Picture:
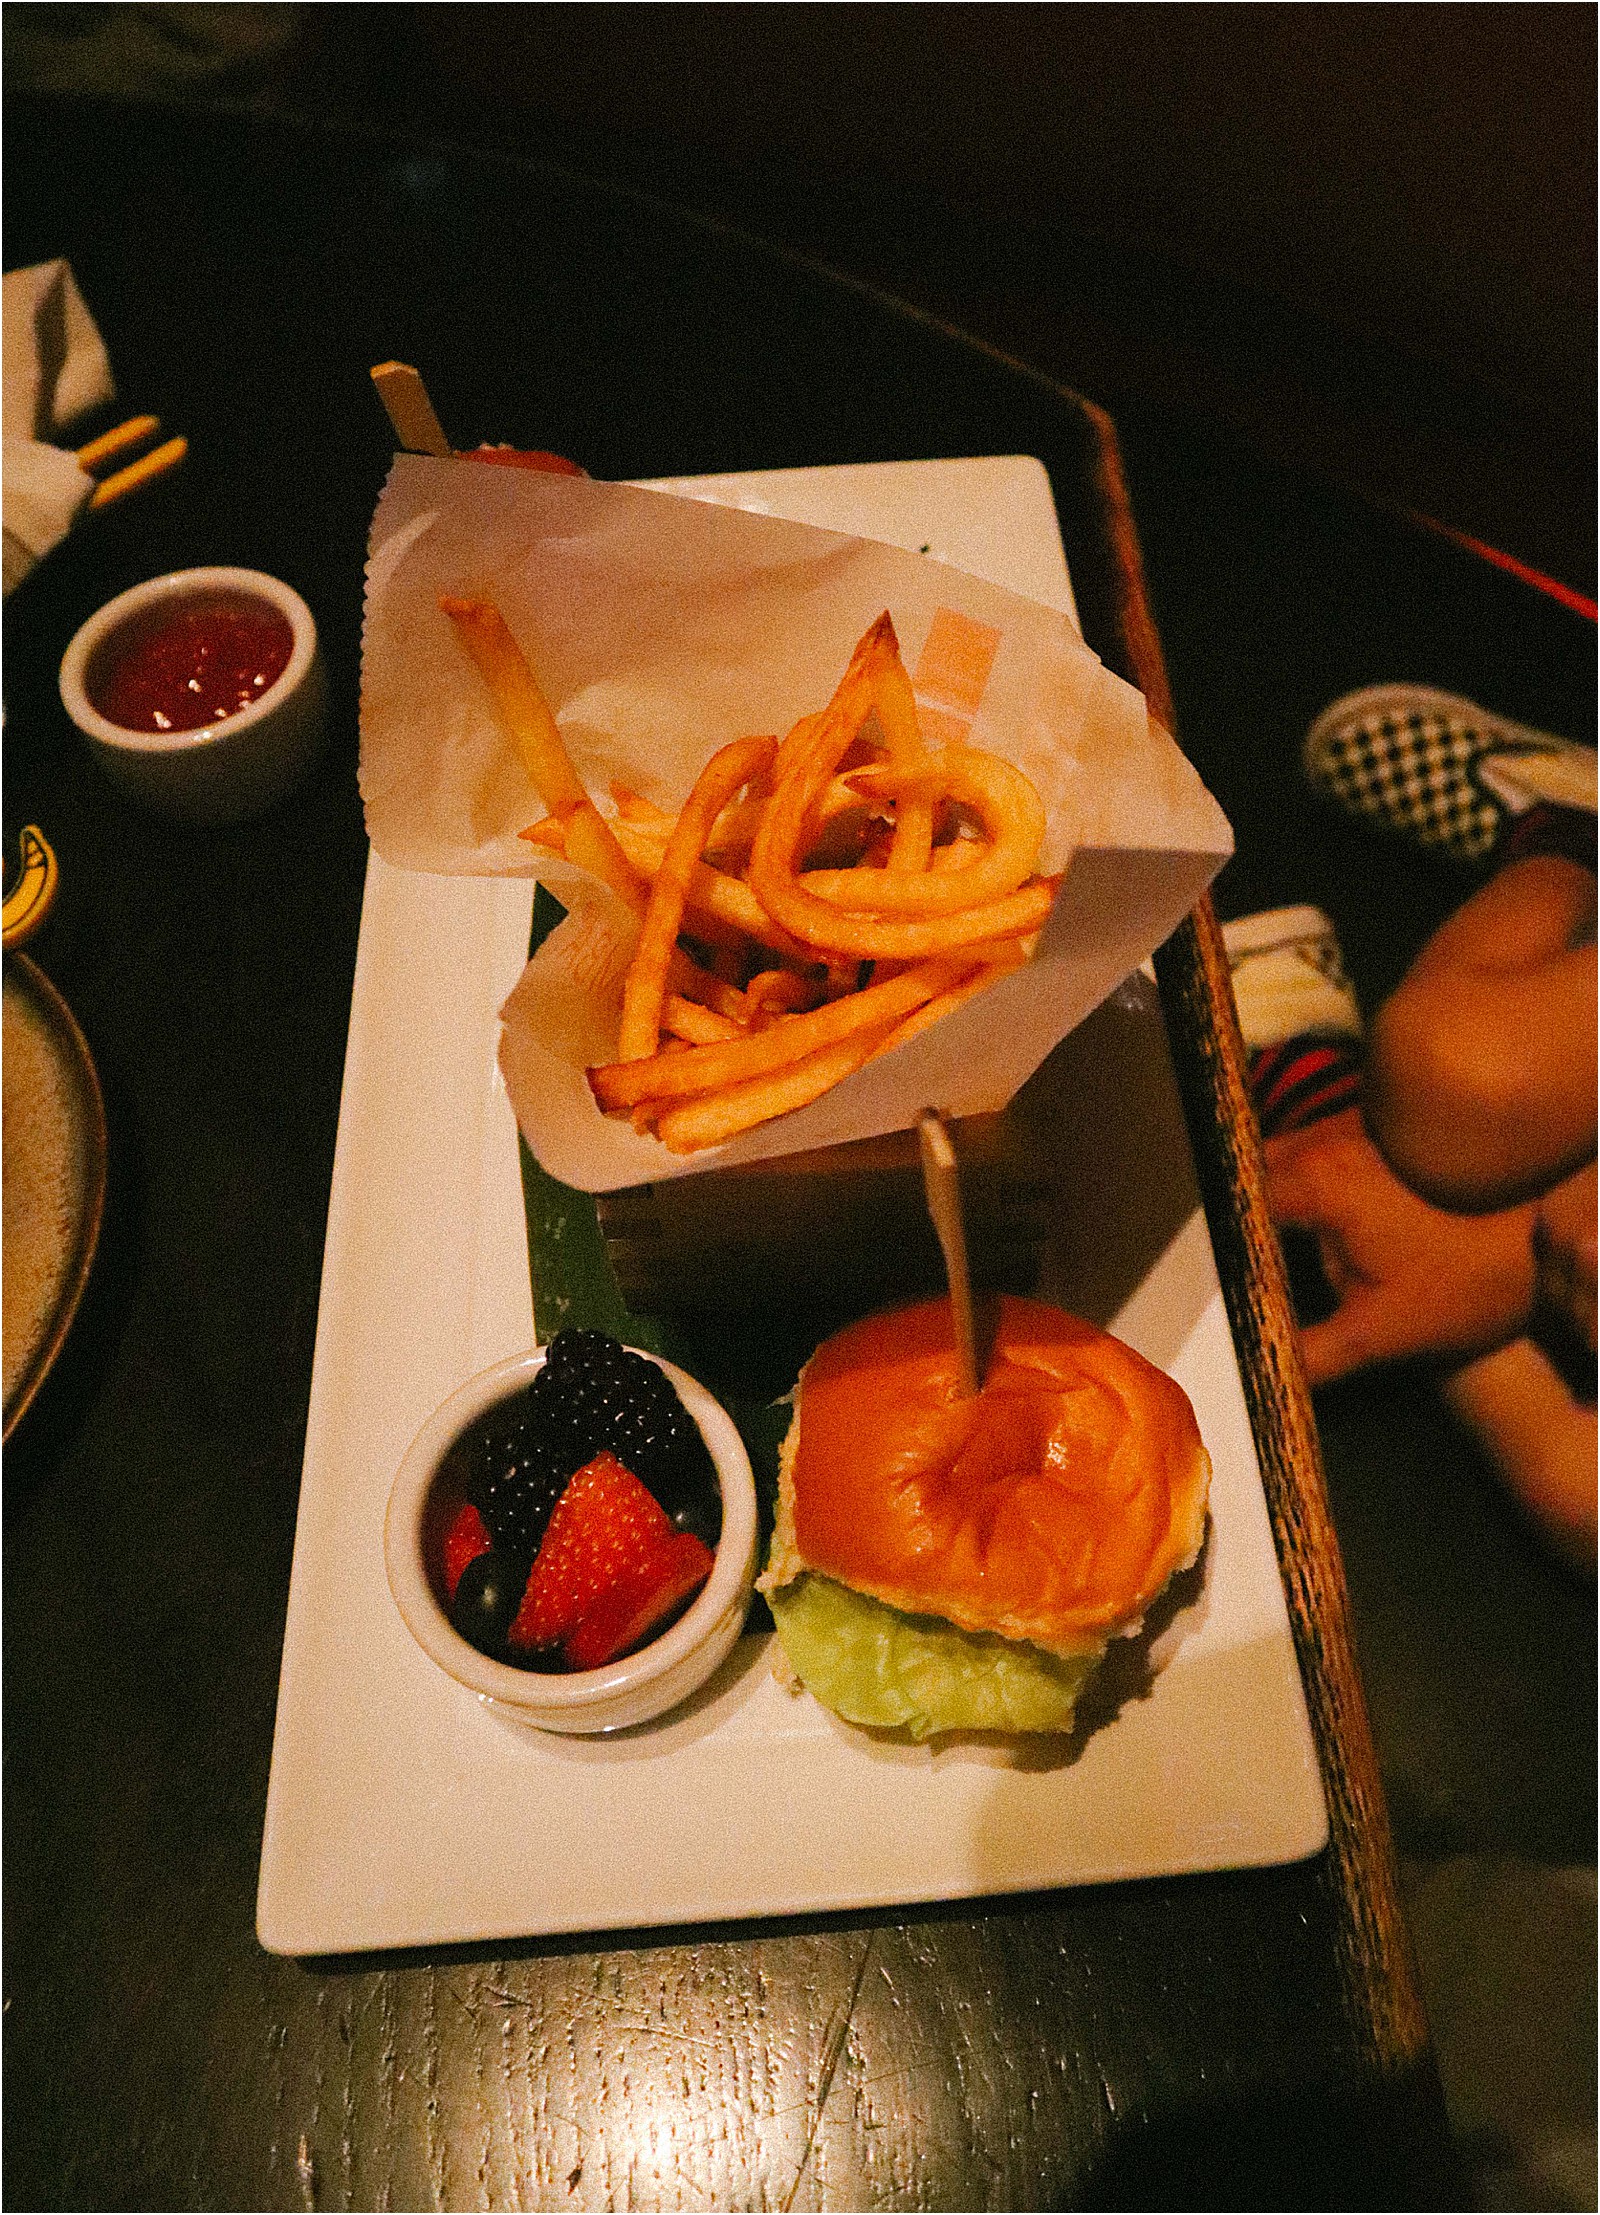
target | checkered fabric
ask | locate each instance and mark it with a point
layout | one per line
(1414, 768)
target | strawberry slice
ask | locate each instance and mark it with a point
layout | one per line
(606, 1528)
(634, 1607)
(464, 1541)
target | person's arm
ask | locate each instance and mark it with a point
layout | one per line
(1541, 1437)
(1481, 1067)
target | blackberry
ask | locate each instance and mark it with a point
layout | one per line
(517, 1459)
(601, 1395)
(513, 1471)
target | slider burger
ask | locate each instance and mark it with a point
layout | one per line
(948, 1563)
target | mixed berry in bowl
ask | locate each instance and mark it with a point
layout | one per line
(572, 1535)
(589, 1511)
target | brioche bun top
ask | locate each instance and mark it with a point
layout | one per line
(1053, 1508)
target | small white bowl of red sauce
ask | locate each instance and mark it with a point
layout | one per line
(201, 692)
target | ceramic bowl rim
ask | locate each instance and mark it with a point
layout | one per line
(175, 585)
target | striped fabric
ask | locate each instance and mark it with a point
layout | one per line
(1302, 1080)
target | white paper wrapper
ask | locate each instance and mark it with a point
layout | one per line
(662, 627)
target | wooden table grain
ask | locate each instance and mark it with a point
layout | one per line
(1239, 2039)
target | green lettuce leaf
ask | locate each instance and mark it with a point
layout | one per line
(919, 1673)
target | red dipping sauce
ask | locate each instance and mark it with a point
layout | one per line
(193, 664)
(527, 457)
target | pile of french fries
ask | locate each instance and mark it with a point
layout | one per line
(816, 900)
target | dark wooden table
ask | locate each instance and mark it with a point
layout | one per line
(1244, 2039)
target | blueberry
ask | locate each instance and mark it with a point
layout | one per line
(486, 1602)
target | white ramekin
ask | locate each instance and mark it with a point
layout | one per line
(643, 1684)
(227, 771)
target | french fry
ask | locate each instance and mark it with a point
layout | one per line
(686, 977)
(724, 914)
(591, 843)
(934, 1010)
(959, 853)
(913, 835)
(522, 708)
(897, 719)
(893, 698)
(1013, 819)
(803, 768)
(642, 827)
(869, 955)
(633, 807)
(795, 744)
(684, 974)
(525, 714)
(723, 1115)
(842, 718)
(729, 770)
(773, 992)
(695, 1025)
(622, 1084)
(871, 937)
(713, 897)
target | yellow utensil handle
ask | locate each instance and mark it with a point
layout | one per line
(30, 899)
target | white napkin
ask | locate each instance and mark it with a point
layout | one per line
(56, 369)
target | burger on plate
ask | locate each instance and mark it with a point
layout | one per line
(942, 1562)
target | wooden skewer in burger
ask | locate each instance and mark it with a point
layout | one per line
(949, 1558)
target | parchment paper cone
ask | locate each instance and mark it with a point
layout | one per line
(660, 628)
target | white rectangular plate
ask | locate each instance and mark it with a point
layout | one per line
(400, 1812)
